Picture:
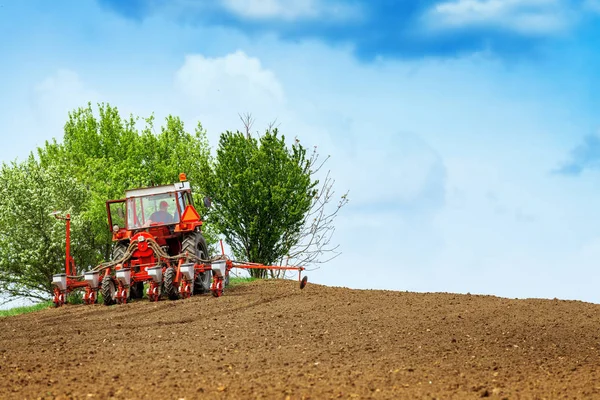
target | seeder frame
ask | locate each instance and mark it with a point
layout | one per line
(154, 273)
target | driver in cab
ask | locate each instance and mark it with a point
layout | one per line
(161, 216)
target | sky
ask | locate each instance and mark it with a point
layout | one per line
(465, 131)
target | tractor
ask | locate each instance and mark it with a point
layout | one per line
(150, 227)
(157, 240)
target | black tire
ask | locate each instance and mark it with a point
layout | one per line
(118, 251)
(194, 243)
(108, 290)
(168, 284)
(136, 291)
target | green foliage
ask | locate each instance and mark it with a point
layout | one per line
(235, 281)
(261, 192)
(110, 154)
(26, 309)
(32, 242)
(75, 297)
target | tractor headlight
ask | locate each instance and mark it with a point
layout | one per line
(115, 228)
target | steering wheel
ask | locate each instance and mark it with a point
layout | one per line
(147, 225)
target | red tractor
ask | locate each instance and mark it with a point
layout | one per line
(157, 239)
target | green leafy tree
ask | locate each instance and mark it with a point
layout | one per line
(264, 194)
(110, 154)
(32, 242)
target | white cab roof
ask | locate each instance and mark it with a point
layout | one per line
(148, 191)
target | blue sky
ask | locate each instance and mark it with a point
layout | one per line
(466, 131)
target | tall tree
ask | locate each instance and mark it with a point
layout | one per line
(32, 242)
(263, 194)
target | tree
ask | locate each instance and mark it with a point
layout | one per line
(264, 197)
(32, 242)
(109, 155)
(314, 241)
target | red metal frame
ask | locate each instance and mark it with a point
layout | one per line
(72, 283)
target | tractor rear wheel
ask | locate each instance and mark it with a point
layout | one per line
(108, 290)
(194, 243)
(169, 286)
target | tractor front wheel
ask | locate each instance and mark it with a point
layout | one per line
(108, 290)
(170, 288)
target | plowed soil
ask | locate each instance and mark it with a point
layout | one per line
(270, 339)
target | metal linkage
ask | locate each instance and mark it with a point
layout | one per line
(187, 267)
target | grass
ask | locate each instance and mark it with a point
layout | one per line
(234, 281)
(26, 309)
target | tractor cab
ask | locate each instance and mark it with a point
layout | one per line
(156, 206)
(162, 210)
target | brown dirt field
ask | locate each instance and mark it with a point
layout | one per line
(271, 340)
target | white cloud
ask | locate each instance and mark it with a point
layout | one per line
(38, 112)
(400, 170)
(234, 76)
(289, 10)
(57, 95)
(216, 90)
(529, 17)
(592, 5)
